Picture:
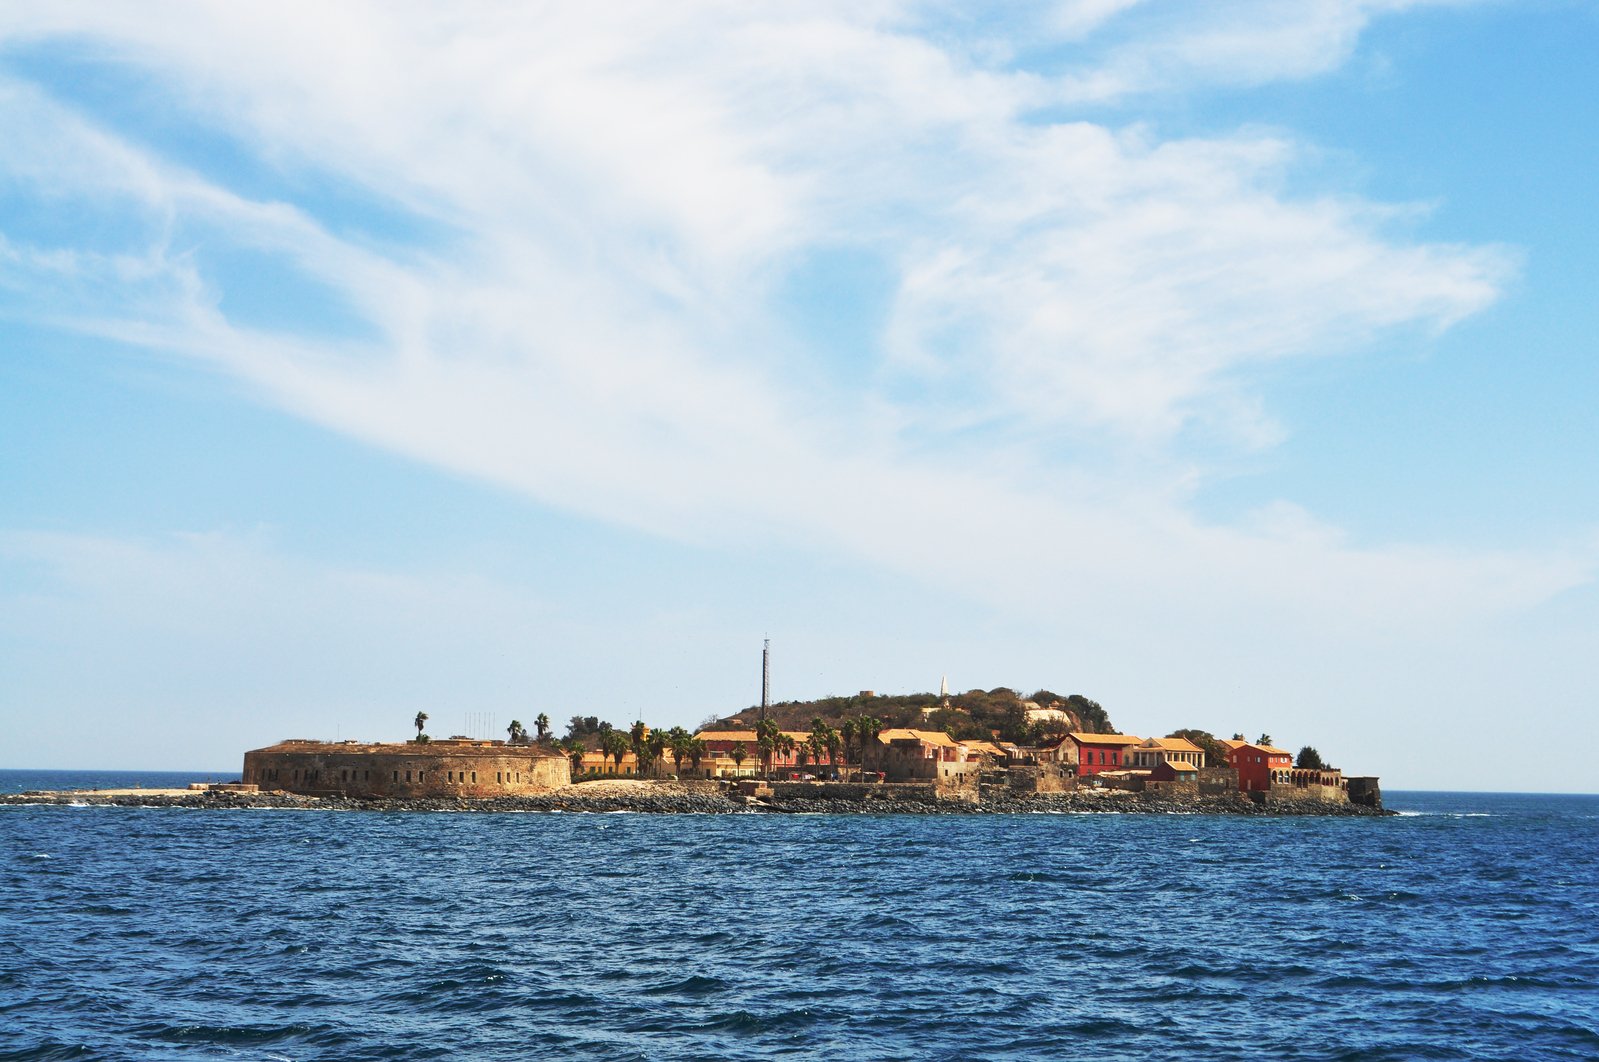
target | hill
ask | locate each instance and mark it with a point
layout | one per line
(997, 713)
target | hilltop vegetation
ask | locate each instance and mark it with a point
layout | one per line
(980, 714)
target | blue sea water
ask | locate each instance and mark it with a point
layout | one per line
(1465, 928)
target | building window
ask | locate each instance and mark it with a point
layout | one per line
(396, 776)
(407, 776)
(474, 776)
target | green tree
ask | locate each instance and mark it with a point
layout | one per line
(636, 736)
(678, 742)
(419, 722)
(767, 733)
(616, 745)
(575, 750)
(738, 754)
(656, 745)
(1264, 739)
(868, 727)
(847, 730)
(517, 735)
(1310, 759)
(542, 725)
(696, 752)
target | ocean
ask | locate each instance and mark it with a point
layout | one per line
(1467, 927)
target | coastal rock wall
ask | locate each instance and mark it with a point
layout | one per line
(469, 769)
(1364, 791)
(1044, 778)
(861, 792)
(1327, 794)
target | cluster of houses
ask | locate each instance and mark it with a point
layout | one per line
(905, 755)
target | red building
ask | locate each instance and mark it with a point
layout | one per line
(1258, 765)
(1103, 752)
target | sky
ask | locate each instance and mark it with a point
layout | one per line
(1230, 364)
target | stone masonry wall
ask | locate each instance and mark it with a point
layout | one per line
(436, 769)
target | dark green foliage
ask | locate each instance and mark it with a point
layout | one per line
(975, 714)
(1092, 714)
(586, 728)
(1309, 758)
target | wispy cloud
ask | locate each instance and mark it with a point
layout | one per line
(617, 197)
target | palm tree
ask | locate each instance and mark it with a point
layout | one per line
(678, 739)
(738, 754)
(767, 735)
(849, 728)
(654, 748)
(784, 744)
(803, 757)
(696, 752)
(636, 735)
(835, 744)
(542, 725)
(868, 727)
(518, 735)
(616, 746)
(419, 722)
(575, 749)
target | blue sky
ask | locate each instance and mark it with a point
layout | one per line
(1231, 364)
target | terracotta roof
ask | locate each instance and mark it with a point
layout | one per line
(1105, 739)
(931, 737)
(749, 737)
(1170, 744)
(1271, 749)
(1178, 765)
(986, 746)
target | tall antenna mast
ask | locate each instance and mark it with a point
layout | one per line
(766, 676)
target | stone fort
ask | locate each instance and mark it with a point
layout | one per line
(453, 768)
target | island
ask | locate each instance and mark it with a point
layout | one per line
(944, 754)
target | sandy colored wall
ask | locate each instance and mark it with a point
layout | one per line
(435, 770)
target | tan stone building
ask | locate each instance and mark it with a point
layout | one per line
(1156, 751)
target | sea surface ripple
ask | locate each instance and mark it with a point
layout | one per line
(1468, 928)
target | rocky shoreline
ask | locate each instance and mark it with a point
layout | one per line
(677, 802)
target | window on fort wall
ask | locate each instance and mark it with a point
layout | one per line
(474, 776)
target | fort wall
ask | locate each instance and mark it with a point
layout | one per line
(475, 769)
